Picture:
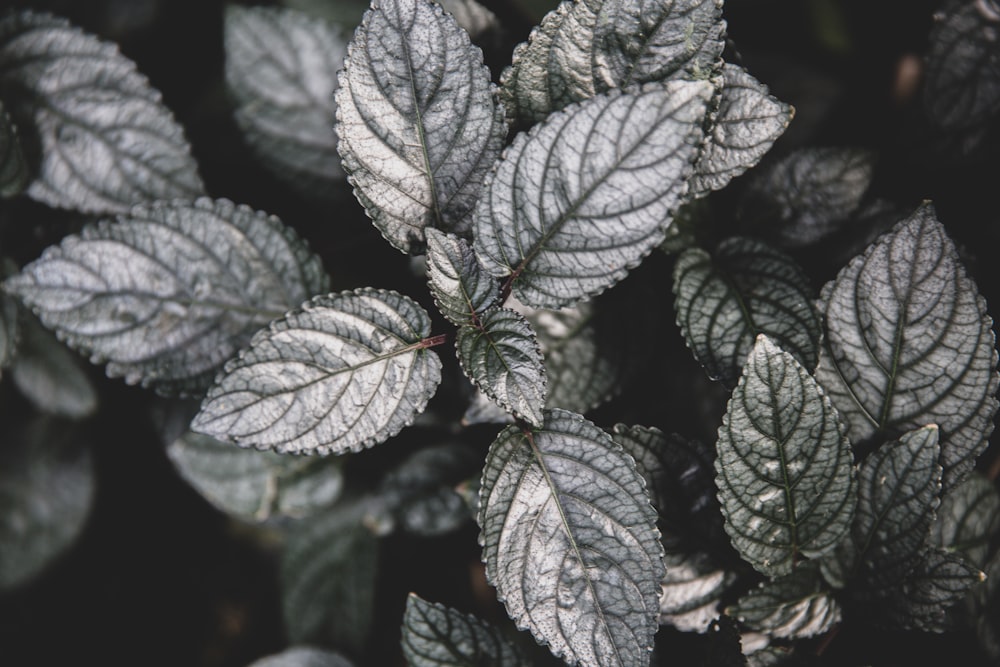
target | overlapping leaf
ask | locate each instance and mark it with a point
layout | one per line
(255, 485)
(50, 376)
(460, 287)
(502, 357)
(344, 372)
(748, 123)
(438, 636)
(796, 605)
(588, 47)
(281, 70)
(418, 125)
(909, 343)
(968, 519)
(691, 591)
(570, 541)
(168, 293)
(107, 141)
(784, 468)
(586, 195)
(302, 656)
(13, 168)
(723, 301)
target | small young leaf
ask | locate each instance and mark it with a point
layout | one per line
(588, 47)
(438, 636)
(796, 605)
(969, 519)
(502, 357)
(584, 196)
(255, 485)
(47, 486)
(460, 287)
(327, 574)
(106, 140)
(747, 288)
(14, 175)
(785, 472)
(909, 343)
(168, 293)
(281, 70)
(344, 372)
(749, 121)
(418, 125)
(302, 656)
(570, 541)
(50, 376)
(922, 600)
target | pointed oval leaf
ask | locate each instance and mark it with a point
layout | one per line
(723, 301)
(14, 175)
(344, 372)
(168, 293)
(438, 636)
(106, 139)
(969, 519)
(255, 485)
(281, 71)
(50, 376)
(327, 572)
(922, 601)
(582, 198)
(909, 343)
(794, 606)
(748, 123)
(47, 487)
(460, 287)
(302, 656)
(501, 355)
(418, 125)
(570, 541)
(589, 47)
(785, 472)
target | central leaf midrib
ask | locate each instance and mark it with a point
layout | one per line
(421, 137)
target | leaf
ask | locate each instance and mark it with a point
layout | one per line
(437, 636)
(808, 196)
(583, 197)
(302, 656)
(968, 520)
(460, 287)
(898, 489)
(922, 601)
(10, 320)
(281, 71)
(474, 18)
(106, 139)
(570, 541)
(747, 288)
(502, 357)
(47, 488)
(255, 485)
(418, 125)
(588, 47)
(344, 372)
(482, 410)
(909, 343)
(169, 292)
(749, 121)
(50, 376)
(691, 591)
(796, 605)
(327, 574)
(14, 176)
(784, 471)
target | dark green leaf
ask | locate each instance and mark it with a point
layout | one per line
(909, 343)
(168, 293)
(723, 301)
(106, 139)
(570, 541)
(301, 656)
(50, 376)
(47, 487)
(438, 636)
(922, 600)
(460, 287)
(784, 471)
(344, 372)
(796, 605)
(281, 71)
(968, 520)
(14, 175)
(583, 197)
(418, 125)
(502, 357)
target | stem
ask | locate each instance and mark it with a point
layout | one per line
(433, 341)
